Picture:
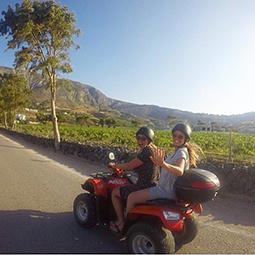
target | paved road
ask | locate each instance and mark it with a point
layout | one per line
(37, 189)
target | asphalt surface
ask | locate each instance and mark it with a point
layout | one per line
(37, 190)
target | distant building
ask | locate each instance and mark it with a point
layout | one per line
(208, 128)
(199, 128)
(20, 117)
(30, 110)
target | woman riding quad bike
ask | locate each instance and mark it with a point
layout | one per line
(156, 226)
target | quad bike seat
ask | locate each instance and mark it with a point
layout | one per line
(170, 203)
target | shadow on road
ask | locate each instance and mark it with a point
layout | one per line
(232, 209)
(80, 165)
(27, 231)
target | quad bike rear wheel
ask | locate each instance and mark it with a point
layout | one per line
(144, 238)
(188, 232)
(85, 210)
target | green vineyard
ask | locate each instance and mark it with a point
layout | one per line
(215, 145)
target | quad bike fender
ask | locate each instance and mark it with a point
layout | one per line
(96, 186)
(172, 220)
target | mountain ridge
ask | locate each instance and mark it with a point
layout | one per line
(83, 97)
(158, 115)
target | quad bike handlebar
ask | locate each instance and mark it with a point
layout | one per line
(116, 170)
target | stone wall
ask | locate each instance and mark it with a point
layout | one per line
(237, 179)
(234, 178)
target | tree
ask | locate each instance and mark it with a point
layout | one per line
(110, 122)
(102, 122)
(200, 123)
(82, 119)
(13, 96)
(42, 32)
(135, 123)
(172, 120)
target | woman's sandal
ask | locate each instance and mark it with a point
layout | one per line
(114, 227)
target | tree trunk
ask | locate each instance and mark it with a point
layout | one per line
(53, 113)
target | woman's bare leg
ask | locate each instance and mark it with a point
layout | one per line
(138, 197)
(118, 207)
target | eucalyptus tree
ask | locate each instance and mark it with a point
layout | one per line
(13, 96)
(41, 32)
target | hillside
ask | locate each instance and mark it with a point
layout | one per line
(81, 97)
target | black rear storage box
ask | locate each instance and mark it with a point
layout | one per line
(196, 186)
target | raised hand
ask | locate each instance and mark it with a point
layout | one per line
(159, 155)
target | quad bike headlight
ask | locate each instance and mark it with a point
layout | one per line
(169, 215)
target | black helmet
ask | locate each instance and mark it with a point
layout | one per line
(148, 132)
(184, 128)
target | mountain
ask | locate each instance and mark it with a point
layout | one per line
(81, 97)
(243, 122)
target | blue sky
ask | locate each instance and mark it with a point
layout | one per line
(191, 55)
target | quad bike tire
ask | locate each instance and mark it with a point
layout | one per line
(189, 231)
(145, 238)
(84, 209)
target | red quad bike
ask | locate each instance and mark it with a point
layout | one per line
(157, 226)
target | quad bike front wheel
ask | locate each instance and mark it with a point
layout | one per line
(144, 238)
(84, 209)
(188, 232)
